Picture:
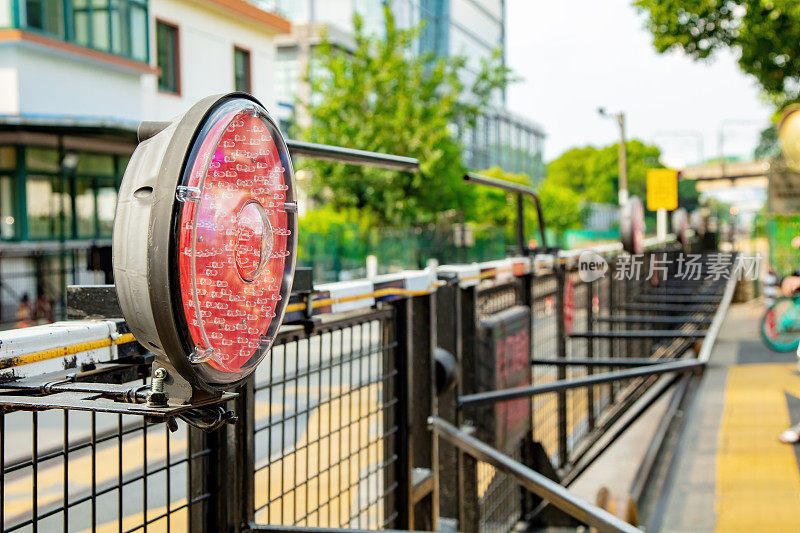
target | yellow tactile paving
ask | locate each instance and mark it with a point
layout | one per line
(757, 480)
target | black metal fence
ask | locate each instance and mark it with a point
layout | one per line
(332, 429)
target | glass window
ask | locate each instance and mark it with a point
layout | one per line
(167, 56)
(42, 159)
(8, 222)
(49, 208)
(128, 21)
(80, 22)
(241, 70)
(117, 26)
(45, 15)
(85, 207)
(138, 32)
(8, 157)
(100, 29)
(106, 207)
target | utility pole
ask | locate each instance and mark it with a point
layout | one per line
(623, 154)
(623, 161)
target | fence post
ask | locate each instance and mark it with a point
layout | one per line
(613, 345)
(227, 475)
(590, 350)
(561, 372)
(468, 512)
(449, 336)
(417, 453)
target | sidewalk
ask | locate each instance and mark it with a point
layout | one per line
(731, 473)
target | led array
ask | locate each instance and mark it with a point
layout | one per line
(233, 241)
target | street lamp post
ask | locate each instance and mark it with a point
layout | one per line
(623, 154)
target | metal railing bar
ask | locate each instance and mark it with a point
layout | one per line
(587, 460)
(339, 154)
(608, 361)
(640, 334)
(519, 190)
(719, 316)
(630, 417)
(688, 365)
(644, 319)
(301, 529)
(670, 308)
(531, 480)
(676, 298)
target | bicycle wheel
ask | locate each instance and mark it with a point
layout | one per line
(780, 325)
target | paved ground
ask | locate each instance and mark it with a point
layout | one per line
(731, 473)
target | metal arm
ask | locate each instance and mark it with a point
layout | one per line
(520, 191)
(352, 156)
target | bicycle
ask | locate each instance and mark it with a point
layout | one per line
(780, 325)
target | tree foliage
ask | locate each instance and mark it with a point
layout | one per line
(384, 96)
(494, 207)
(592, 174)
(764, 33)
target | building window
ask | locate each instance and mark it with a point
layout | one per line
(85, 209)
(116, 26)
(8, 215)
(46, 16)
(60, 202)
(167, 53)
(241, 70)
(126, 20)
(49, 208)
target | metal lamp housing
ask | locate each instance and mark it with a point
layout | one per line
(153, 280)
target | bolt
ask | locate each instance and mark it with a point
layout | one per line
(158, 380)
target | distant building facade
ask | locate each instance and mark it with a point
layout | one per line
(473, 29)
(76, 77)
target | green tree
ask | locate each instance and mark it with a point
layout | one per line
(688, 197)
(561, 208)
(384, 96)
(496, 208)
(763, 33)
(768, 145)
(592, 174)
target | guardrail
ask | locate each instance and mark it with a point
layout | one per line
(333, 427)
(332, 431)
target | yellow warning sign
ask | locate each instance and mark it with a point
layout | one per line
(662, 189)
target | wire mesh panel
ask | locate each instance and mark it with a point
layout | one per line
(499, 497)
(545, 346)
(87, 471)
(325, 431)
(497, 297)
(576, 300)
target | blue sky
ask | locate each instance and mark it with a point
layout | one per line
(577, 55)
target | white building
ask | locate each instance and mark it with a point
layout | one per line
(76, 77)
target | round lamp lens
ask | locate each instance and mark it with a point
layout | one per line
(235, 242)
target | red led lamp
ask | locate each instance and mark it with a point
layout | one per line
(205, 240)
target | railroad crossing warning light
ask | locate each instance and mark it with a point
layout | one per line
(789, 135)
(205, 239)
